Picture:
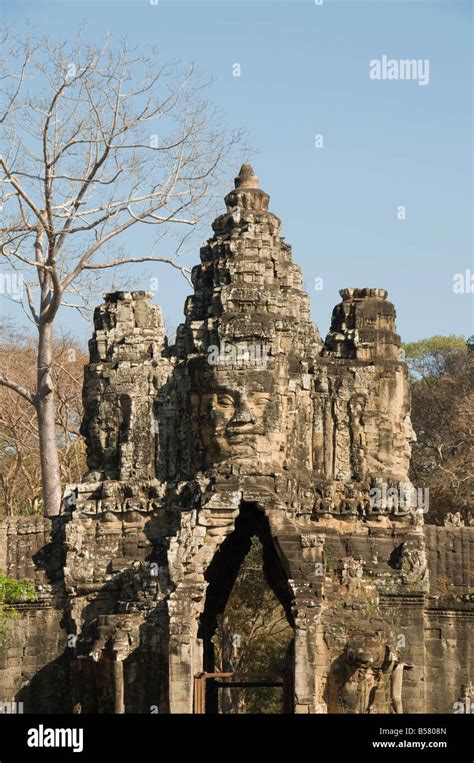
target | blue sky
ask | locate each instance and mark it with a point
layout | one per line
(305, 71)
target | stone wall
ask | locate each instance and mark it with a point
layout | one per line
(450, 552)
(33, 666)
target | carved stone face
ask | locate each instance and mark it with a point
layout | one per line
(366, 649)
(409, 434)
(237, 413)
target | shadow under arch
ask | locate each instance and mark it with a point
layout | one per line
(221, 576)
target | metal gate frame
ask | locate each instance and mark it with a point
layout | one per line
(237, 680)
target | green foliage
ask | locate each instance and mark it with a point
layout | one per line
(11, 592)
(427, 357)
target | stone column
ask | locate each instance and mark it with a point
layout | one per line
(119, 693)
(185, 658)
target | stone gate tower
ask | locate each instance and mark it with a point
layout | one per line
(251, 425)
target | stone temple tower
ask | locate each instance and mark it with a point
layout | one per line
(249, 424)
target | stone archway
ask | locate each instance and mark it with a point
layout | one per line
(221, 576)
(198, 550)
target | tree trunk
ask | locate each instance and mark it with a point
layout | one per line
(46, 413)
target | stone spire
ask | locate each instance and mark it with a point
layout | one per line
(363, 326)
(247, 288)
(246, 201)
(120, 385)
(247, 328)
(246, 177)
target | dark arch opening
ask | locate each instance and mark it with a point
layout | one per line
(221, 576)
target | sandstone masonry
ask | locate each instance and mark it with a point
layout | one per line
(302, 442)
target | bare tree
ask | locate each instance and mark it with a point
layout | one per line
(98, 140)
